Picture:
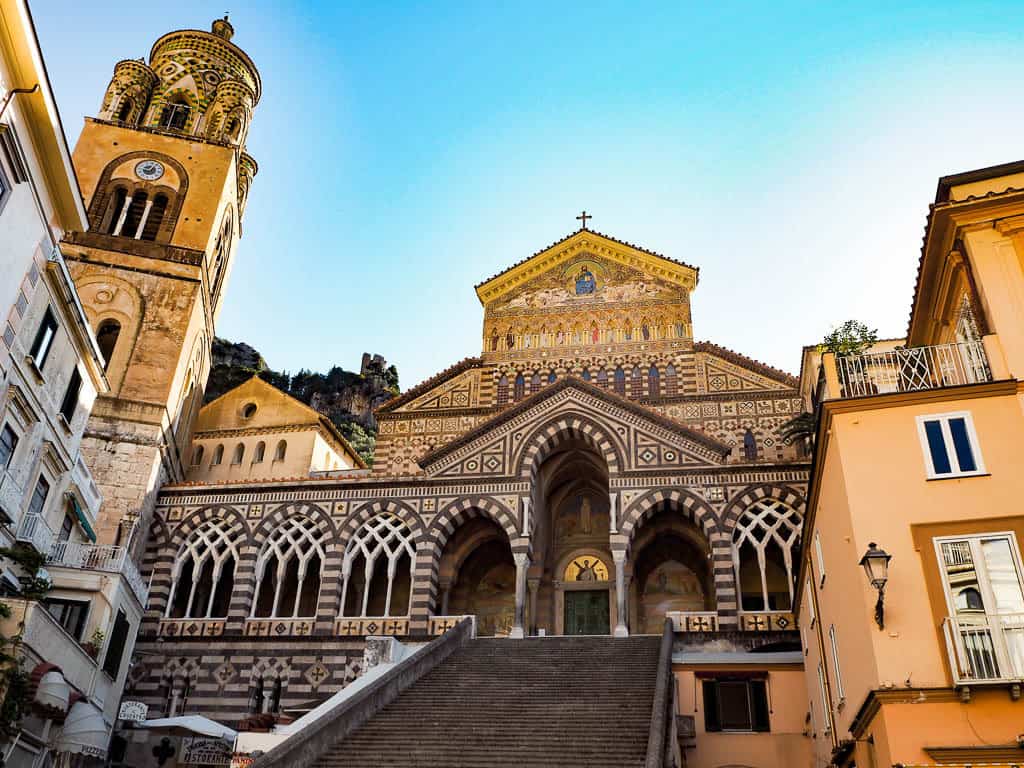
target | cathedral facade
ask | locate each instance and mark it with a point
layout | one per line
(593, 471)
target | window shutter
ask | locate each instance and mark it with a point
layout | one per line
(712, 722)
(115, 649)
(759, 705)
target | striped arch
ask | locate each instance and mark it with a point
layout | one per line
(392, 506)
(426, 574)
(245, 573)
(163, 553)
(159, 559)
(563, 428)
(700, 513)
(753, 493)
(694, 508)
(291, 509)
(462, 510)
(239, 528)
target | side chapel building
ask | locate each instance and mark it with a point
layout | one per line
(594, 470)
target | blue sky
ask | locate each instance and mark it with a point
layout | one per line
(408, 151)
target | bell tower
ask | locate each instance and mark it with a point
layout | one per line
(165, 176)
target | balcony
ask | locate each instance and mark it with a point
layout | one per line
(908, 370)
(34, 530)
(44, 635)
(97, 557)
(985, 648)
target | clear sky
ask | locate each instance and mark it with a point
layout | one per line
(408, 151)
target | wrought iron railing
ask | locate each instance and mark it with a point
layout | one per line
(912, 369)
(99, 557)
(985, 648)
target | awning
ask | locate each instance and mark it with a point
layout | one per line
(84, 732)
(53, 691)
(189, 724)
(82, 519)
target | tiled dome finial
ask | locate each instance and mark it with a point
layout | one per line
(222, 28)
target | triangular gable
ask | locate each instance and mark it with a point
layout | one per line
(274, 408)
(595, 244)
(722, 370)
(639, 438)
(430, 394)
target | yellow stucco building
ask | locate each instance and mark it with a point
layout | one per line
(918, 458)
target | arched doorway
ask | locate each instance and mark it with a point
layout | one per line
(671, 569)
(477, 576)
(571, 582)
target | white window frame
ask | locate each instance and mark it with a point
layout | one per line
(821, 557)
(212, 540)
(947, 437)
(825, 703)
(809, 590)
(835, 662)
(385, 538)
(986, 586)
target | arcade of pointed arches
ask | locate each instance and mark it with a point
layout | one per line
(669, 567)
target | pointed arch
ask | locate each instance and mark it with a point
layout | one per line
(562, 428)
(694, 508)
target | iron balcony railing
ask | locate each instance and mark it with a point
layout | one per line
(985, 647)
(99, 557)
(913, 369)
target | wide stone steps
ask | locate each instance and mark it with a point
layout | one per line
(557, 702)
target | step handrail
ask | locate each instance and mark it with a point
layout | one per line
(303, 748)
(658, 732)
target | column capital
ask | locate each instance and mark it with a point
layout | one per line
(619, 556)
(522, 559)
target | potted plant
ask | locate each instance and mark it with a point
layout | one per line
(93, 645)
(849, 340)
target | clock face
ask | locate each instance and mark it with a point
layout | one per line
(149, 170)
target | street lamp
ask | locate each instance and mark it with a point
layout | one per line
(876, 565)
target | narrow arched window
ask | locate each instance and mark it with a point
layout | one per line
(239, 454)
(636, 383)
(503, 390)
(586, 374)
(218, 456)
(154, 218)
(376, 570)
(282, 449)
(203, 576)
(602, 378)
(749, 446)
(257, 455)
(175, 114)
(653, 382)
(117, 203)
(124, 111)
(197, 456)
(232, 127)
(764, 546)
(288, 570)
(620, 381)
(520, 388)
(671, 381)
(552, 377)
(535, 383)
(106, 338)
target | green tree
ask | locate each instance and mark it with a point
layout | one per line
(850, 338)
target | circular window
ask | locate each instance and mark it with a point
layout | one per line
(248, 410)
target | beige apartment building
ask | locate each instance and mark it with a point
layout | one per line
(918, 480)
(76, 641)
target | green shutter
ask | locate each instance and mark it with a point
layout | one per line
(82, 519)
(712, 722)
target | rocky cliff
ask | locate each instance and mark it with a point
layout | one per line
(345, 397)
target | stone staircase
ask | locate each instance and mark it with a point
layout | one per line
(554, 702)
